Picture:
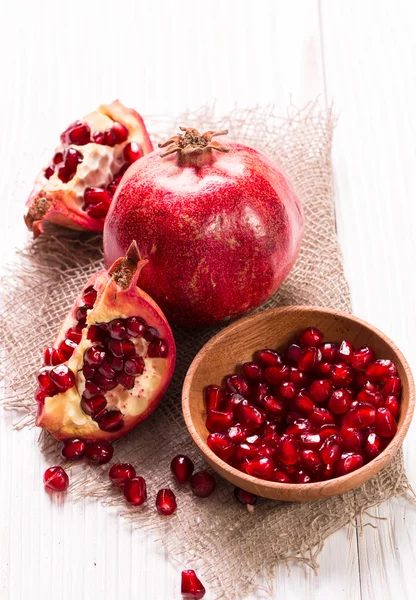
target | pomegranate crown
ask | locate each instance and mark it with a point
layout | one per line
(191, 141)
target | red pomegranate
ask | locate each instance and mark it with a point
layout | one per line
(112, 360)
(76, 188)
(219, 223)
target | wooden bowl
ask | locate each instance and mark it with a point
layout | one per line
(272, 329)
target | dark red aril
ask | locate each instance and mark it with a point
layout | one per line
(231, 402)
(134, 366)
(127, 381)
(309, 359)
(341, 375)
(221, 445)
(329, 352)
(299, 378)
(105, 369)
(120, 131)
(67, 348)
(94, 356)
(280, 477)
(310, 441)
(327, 430)
(374, 398)
(250, 415)
(267, 358)
(151, 334)
(348, 462)
(74, 334)
(243, 497)
(78, 133)
(360, 416)
(214, 395)
(381, 370)
(288, 390)
(345, 352)
(120, 473)
(182, 468)
(115, 362)
(203, 484)
(110, 420)
(351, 438)
(158, 349)
(393, 405)
(330, 451)
(302, 476)
(392, 387)
(320, 416)
(52, 357)
(56, 479)
(273, 407)
(253, 371)
(135, 491)
(73, 450)
(136, 326)
(311, 337)
(94, 405)
(340, 402)
(288, 450)
(122, 348)
(191, 586)
(109, 137)
(62, 377)
(320, 390)
(277, 374)
(58, 158)
(237, 433)
(237, 383)
(263, 468)
(94, 196)
(98, 137)
(324, 369)
(362, 358)
(117, 329)
(293, 353)
(373, 445)
(260, 391)
(49, 171)
(81, 315)
(132, 152)
(303, 402)
(385, 425)
(166, 502)
(218, 420)
(311, 460)
(99, 453)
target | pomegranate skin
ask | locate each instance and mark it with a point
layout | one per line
(221, 230)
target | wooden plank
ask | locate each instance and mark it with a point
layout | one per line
(369, 62)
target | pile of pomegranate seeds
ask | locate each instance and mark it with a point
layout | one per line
(311, 412)
(191, 588)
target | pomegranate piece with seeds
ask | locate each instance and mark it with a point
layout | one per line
(182, 468)
(166, 502)
(109, 382)
(191, 587)
(76, 188)
(309, 412)
(56, 479)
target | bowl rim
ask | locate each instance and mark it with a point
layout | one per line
(393, 446)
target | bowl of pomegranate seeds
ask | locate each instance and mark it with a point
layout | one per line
(298, 403)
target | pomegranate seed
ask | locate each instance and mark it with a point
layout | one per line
(220, 444)
(320, 390)
(96, 334)
(260, 391)
(329, 352)
(132, 152)
(74, 334)
(370, 387)
(151, 334)
(373, 445)
(302, 477)
(348, 462)
(99, 453)
(56, 479)
(203, 484)
(94, 405)
(94, 356)
(293, 352)
(340, 402)
(166, 502)
(237, 433)
(244, 497)
(78, 133)
(351, 438)
(262, 467)
(288, 390)
(58, 158)
(120, 473)
(253, 371)
(280, 477)
(231, 402)
(360, 416)
(81, 314)
(40, 397)
(267, 358)
(214, 395)
(237, 383)
(393, 405)
(122, 348)
(324, 369)
(330, 451)
(266, 450)
(135, 491)
(73, 449)
(105, 383)
(392, 387)
(110, 420)
(311, 460)
(120, 132)
(385, 424)
(191, 587)
(297, 377)
(115, 363)
(273, 406)
(310, 441)
(374, 398)
(52, 357)
(320, 416)
(309, 359)
(277, 374)
(362, 358)
(135, 326)
(105, 369)
(218, 420)
(127, 381)
(182, 468)
(117, 329)
(311, 337)
(157, 349)
(341, 375)
(381, 370)
(49, 171)
(134, 366)
(62, 377)
(96, 211)
(94, 196)
(303, 402)
(66, 348)
(345, 352)
(288, 451)
(91, 389)
(327, 430)
(250, 415)
(298, 426)
(293, 416)
(109, 137)
(98, 137)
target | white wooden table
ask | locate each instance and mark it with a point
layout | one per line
(58, 60)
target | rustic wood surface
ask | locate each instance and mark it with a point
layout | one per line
(60, 60)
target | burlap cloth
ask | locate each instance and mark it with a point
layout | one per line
(224, 543)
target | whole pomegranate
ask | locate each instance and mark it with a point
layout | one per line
(112, 360)
(76, 188)
(219, 223)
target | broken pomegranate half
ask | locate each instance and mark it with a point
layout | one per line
(112, 360)
(76, 188)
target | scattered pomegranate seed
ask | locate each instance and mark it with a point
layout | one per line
(73, 450)
(99, 453)
(120, 473)
(294, 352)
(132, 152)
(203, 484)
(182, 468)
(135, 491)
(311, 337)
(74, 334)
(49, 171)
(246, 498)
(166, 502)
(56, 479)
(191, 587)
